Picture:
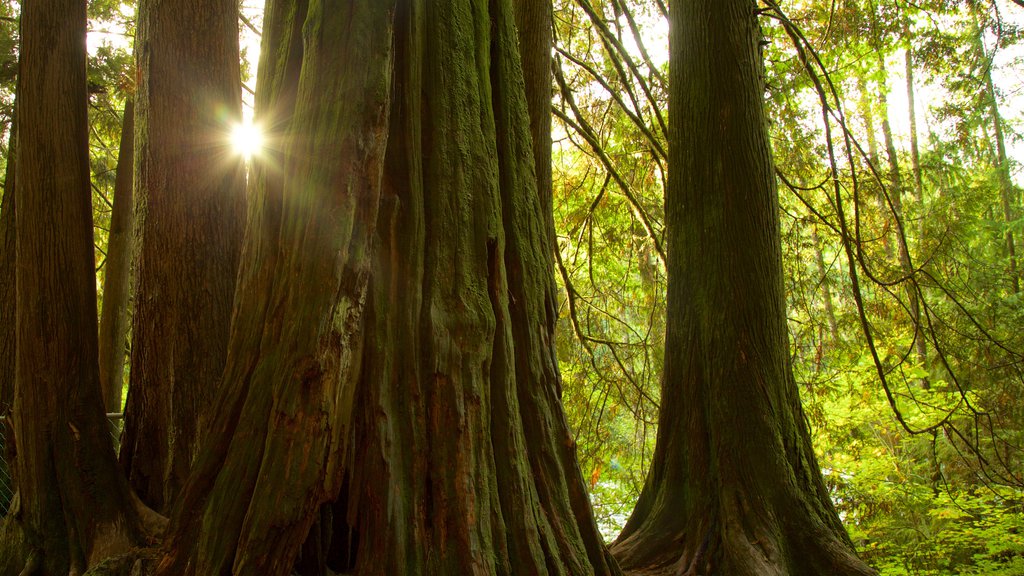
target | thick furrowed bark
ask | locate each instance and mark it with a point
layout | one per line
(295, 342)
(734, 487)
(190, 217)
(464, 464)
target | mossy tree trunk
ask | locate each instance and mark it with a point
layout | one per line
(74, 505)
(734, 487)
(275, 451)
(463, 462)
(190, 218)
(117, 271)
(436, 413)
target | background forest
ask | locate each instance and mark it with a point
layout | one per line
(896, 129)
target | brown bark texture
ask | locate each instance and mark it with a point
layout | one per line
(8, 306)
(433, 414)
(189, 222)
(117, 271)
(463, 462)
(734, 487)
(74, 507)
(8, 296)
(534, 25)
(273, 455)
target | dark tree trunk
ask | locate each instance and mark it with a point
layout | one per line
(734, 487)
(189, 227)
(274, 454)
(75, 507)
(8, 302)
(117, 271)
(8, 305)
(463, 462)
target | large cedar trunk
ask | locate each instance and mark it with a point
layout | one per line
(117, 271)
(75, 507)
(189, 226)
(734, 487)
(274, 453)
(457, 458)
(463, 460)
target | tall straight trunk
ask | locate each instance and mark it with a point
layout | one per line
(920, 343)
(734, 487)
(8, 306)
(915, 151)
(117, 271)
(8, 295)
(830, 309)
(896, 189)
(1006, 190)
(866, 106)
(74, 505)
(275, 451)
(189, 226)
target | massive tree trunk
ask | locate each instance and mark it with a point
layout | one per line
(117, 271)
(189, 227)
(464, 463)
(275, 451)
(456, 458)
(734, 487)
(75, 507)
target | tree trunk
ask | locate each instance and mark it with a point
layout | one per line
(465, 463)
(915, 152)
(734, 487)
(114, 314)
(8, 301)
(274, 454)
(75, 507)
(1006, 191)
(189, 227)
(895, 196)
(8, 306)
